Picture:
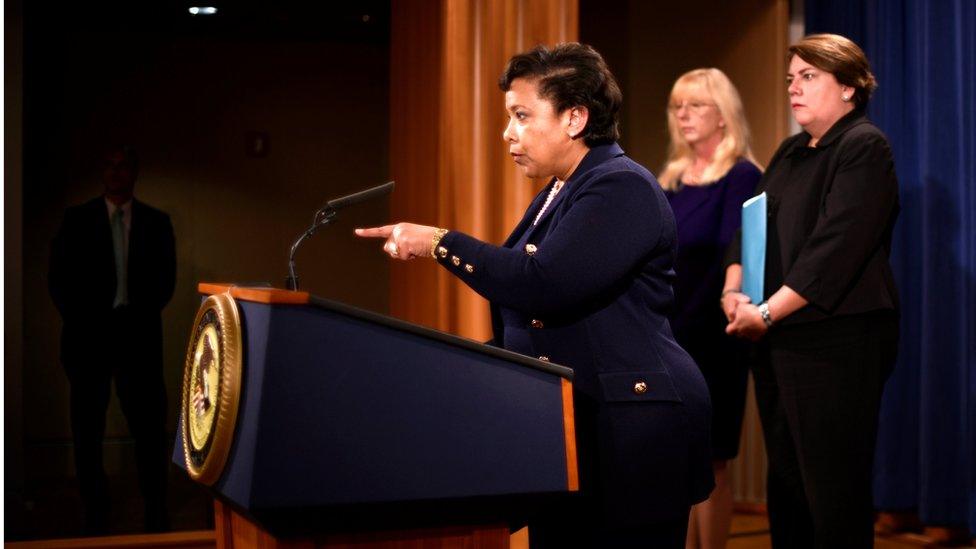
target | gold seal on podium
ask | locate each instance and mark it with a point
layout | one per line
(211, 388)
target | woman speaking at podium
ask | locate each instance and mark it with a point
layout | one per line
(584, 280)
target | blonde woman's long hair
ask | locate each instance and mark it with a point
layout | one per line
(735, 143)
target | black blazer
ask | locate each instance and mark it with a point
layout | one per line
(82, 278)
(832, 209)
(589, 287)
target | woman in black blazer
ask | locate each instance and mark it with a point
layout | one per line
(829, 322)
(584, 280)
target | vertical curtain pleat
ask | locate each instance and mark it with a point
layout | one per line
(447, 155)
(923, 55)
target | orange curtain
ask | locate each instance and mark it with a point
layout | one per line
(446, 152)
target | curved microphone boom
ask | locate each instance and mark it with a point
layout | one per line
(327, 215)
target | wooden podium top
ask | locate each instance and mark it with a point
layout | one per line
(257, 295)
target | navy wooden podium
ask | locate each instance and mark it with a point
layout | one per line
(359, 429)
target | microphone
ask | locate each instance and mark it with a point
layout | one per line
(327, 215)
(361, 196)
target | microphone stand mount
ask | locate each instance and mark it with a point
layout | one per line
(323, 217)
(326, 216)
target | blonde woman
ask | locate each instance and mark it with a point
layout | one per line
(709, 174)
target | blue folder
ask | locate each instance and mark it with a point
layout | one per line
(754, 247)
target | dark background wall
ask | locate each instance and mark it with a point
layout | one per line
(186, 92)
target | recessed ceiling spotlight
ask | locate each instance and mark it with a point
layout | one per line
(203, 10)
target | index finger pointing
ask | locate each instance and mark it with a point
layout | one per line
(375, 232)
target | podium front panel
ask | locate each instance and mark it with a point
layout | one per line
(340, 410)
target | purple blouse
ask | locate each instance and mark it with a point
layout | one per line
(707, 217)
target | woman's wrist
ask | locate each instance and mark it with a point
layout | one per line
(784, 302)
(767, 318)
(726, 292)
(436, 240)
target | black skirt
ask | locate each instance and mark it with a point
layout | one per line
(723, 361)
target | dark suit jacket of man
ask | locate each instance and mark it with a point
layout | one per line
(589, 287)
(82, 280)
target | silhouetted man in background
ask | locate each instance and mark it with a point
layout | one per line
(113, 268)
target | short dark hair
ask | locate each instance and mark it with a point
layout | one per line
(841, 57)
(572, 75)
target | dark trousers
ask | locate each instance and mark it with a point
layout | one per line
(583, 521)
(141, 391)
(818, 389)
(566, 533)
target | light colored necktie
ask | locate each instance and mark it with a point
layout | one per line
(118, 242)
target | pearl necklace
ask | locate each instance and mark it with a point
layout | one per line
(552, 194)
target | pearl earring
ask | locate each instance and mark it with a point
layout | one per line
(845, 98)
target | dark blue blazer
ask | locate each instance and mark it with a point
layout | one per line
(589, 287)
